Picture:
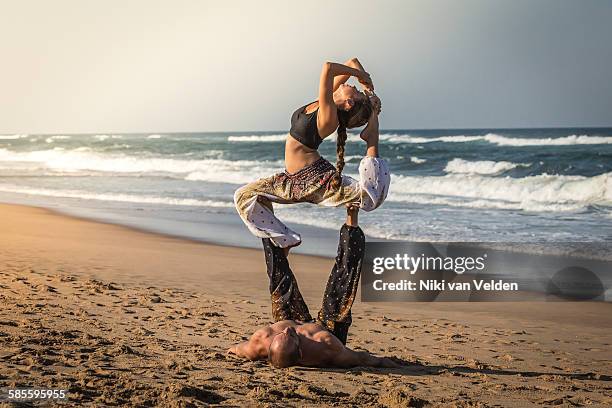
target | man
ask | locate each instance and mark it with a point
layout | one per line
(295, 338)
(288, 343)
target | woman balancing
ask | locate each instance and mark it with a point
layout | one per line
(308, 177)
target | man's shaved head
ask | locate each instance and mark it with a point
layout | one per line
(285, 349)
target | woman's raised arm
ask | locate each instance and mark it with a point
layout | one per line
(340, 79)
(327, 118)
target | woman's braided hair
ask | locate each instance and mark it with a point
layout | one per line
(357, 116)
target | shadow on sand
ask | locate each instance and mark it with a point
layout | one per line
(410, 368)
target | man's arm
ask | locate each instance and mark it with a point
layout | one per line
(349, 358)
(244, 349)
(252, 349)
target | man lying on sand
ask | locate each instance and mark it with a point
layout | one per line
(295, 338)
(287, 343)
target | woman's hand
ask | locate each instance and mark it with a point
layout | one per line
(365, 80)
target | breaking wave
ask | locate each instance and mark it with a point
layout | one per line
(460, 166)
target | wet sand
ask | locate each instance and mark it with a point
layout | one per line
(122, 317)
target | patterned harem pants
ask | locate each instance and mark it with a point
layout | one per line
(312, 184)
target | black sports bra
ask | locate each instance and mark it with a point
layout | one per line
(304, 127)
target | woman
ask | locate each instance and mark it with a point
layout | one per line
(308, 177)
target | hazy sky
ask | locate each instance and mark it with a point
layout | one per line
(161, 66)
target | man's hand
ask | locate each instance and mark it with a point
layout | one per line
(247, 350)
(350, 358)
(386, 362)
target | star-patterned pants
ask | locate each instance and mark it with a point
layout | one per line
(340, 292)
(311, 184)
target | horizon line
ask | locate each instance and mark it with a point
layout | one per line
(286, 131)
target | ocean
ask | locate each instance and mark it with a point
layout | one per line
(486, 185)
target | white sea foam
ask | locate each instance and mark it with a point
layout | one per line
(308, 215)
(51, 139)
(126, 198)
(12, 137)
(352, 137)
(416, 160)
(258, 138)
(489, 167)
(558, 141)
(395, 138)
(533, 193)
(233, 172)
(104, 137)
(355, 137)
(501, 140)
(154, 137)
(490, 204)
(472, 186)
(216, 170)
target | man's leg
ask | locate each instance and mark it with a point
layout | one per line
(287, 301)
(335, 313)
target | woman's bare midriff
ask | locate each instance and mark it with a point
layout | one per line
(298, 156)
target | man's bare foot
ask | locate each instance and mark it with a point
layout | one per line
(352, 210)
(286, 250)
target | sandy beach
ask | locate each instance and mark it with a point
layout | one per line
(119, 316)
